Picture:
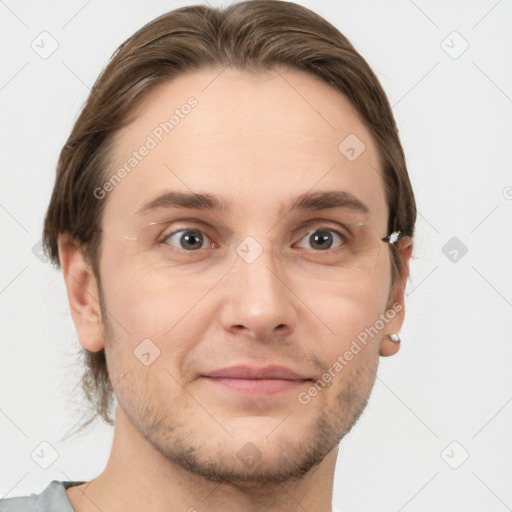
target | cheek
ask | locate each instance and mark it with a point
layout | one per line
(347, 308)
(351, 315)
(351, 352)
(163, 315)
(141, 303)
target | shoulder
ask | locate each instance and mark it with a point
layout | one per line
(51, 499)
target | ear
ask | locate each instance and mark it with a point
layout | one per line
(83, 295)
(397, 300)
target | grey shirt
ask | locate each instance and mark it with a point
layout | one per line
(52, 499)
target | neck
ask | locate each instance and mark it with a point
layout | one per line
(138, 477)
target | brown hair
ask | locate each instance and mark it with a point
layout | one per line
(252, 35)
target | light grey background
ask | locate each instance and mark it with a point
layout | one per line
(448, 392)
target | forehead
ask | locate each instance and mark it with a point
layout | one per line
(257, 139)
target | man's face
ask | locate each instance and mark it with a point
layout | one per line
(245, 284)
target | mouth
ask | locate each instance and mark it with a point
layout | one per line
(257, 386)
(251, 381)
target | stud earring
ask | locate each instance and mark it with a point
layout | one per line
(394, 337)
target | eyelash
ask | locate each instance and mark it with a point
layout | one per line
(311, 229)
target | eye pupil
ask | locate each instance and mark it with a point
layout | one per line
(321, 239)
(191, 240)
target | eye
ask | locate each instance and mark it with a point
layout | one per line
(321, 240)
(187, 239)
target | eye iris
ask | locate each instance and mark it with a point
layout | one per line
(191, 240)
(321, 239)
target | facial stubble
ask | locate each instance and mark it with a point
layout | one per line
(208, 457)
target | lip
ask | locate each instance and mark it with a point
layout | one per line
(254, 373)
(256, 387)
(252, 381)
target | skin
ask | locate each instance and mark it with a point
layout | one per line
(257, 140)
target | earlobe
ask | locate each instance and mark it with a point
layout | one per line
(83, 296)
(390, 346)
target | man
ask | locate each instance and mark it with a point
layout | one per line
(233, 218)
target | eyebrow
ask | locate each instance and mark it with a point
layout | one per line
(309, 201)
(313, 201)
(184, 200)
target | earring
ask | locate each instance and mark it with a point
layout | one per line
(394, 337)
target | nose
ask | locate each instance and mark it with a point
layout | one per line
(258, 301)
